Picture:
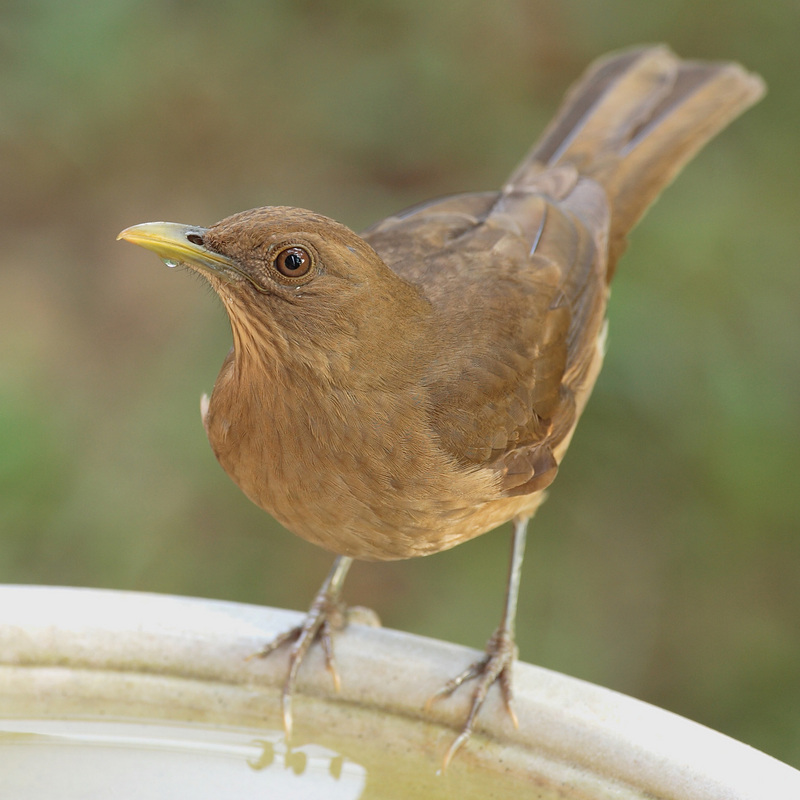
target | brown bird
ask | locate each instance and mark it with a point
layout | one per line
(397, 393)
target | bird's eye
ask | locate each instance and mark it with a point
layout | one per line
(293, 262)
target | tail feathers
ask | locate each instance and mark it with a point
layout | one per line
(633, 121)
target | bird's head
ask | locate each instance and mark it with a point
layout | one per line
(291, 279)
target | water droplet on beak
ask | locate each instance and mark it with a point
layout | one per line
(170, 262)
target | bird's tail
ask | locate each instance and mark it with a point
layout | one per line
(632, 122)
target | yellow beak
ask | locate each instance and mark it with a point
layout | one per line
(183, 244)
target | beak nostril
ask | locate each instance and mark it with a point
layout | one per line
(195, 238)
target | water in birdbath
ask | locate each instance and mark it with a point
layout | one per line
(97, 759)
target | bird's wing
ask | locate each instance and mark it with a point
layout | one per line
(519, 278)
(518, 281)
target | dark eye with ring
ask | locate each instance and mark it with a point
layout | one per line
(293, 262)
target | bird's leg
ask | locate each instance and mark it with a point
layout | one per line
(501, 651)
(327, 613)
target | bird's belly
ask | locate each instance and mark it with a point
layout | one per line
(372, 509)
(386, 530)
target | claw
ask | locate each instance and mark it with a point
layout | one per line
(326, 614)
(495, 666)
(455, 747)
(286, 712)
(330, 660)
(501, 652)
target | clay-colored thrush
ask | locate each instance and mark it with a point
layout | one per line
(393, 394)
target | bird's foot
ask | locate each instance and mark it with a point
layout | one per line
(495, 666)
(327, 615)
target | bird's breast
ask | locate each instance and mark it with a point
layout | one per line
(358, 474)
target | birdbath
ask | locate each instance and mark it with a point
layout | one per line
(120, 694)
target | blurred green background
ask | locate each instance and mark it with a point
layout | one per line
(666, 563)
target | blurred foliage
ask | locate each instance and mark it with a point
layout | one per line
(666, 563)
